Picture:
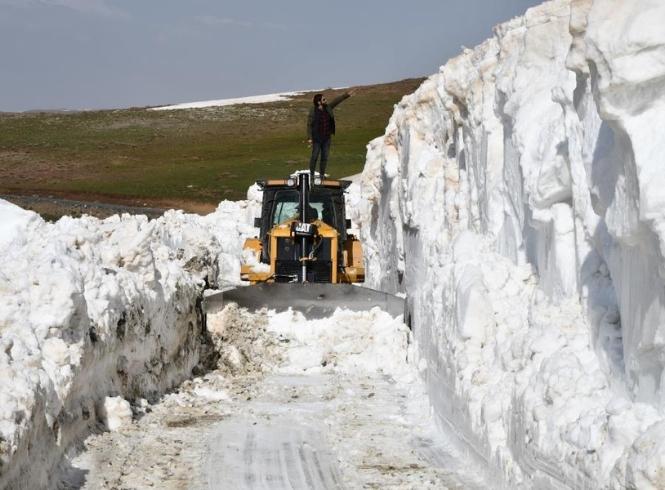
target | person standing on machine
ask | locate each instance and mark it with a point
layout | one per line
(320, 128)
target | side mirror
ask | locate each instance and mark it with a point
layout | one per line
(348, 224)
(257, 222)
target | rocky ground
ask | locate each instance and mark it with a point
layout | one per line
(52, 208)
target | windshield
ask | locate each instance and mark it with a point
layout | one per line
(285, 207)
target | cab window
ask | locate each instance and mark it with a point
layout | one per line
(324, 207)
(285, 207)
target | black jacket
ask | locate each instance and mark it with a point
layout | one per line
(312, 119)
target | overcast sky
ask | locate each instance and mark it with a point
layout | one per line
(78, 54)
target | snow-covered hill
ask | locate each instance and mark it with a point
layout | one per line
(518, 198)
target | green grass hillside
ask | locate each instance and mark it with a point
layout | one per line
(183, 157)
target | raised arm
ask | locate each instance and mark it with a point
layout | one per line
(338, 100)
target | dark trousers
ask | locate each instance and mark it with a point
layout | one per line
(319, 148)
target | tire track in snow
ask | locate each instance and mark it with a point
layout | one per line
(279, 453)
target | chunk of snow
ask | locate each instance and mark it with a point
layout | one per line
(117, 413)
(15, 223)
(348, 341)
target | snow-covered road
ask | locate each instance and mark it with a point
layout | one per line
(320, 404)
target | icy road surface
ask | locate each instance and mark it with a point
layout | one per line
(294, 404)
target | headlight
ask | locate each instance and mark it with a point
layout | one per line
(290, 182)
(317, 180)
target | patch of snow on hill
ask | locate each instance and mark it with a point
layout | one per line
(255, 99)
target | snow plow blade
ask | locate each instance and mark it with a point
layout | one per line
(311, 299)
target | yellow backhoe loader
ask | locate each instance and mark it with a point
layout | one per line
(304, 257)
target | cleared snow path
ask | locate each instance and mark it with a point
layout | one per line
(320, 404)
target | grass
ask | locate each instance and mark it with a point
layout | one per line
(187, 156)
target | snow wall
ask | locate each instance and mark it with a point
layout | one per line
(518, 199)
(96, 313)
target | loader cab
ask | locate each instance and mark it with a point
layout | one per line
(303, 235)
(281, 203)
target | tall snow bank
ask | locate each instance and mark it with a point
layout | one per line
(518, 198)
(94, 313)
